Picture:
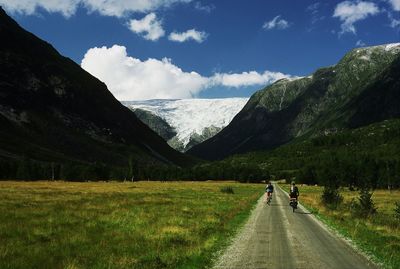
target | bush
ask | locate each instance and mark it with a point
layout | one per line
(227, 189)
(397, 210)
(365, 206)
(331, 197)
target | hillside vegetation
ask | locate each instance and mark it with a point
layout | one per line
(361, 89)
(350, 158)
(54, 113)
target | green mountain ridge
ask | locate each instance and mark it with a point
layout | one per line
(367, 155)
(361, 89)
(51, 110)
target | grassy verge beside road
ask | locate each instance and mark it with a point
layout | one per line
(119, 225)
(378, 235)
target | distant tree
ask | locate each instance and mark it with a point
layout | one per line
(307, 175)
(329, 176)
(131, 169)
(24, 169)
(397, 210)
(365, 206)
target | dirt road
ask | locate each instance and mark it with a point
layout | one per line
(275, 237)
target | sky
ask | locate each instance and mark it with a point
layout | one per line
(172, 49)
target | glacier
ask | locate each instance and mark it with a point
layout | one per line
(190, 116)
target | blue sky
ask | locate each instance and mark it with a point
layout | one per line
(181, 48)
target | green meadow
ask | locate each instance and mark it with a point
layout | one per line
(119, 225)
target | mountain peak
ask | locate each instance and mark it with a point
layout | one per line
(390, 47)
(67, 113)
(362, 88)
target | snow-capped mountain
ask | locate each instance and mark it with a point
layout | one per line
(192, 119)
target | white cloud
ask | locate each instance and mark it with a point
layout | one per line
(66, 7)
(205, 8)
(246, 78)
(117, 8)
(395, 4)
(360, 43)
(129, 78)
(313, 8)
(148, 27)
(276, 23)
(188, 35)
(351, 12)
(314, 12)
(394, 23)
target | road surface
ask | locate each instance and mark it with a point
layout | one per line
(275, 237)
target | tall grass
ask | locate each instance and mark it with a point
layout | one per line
(118, 225)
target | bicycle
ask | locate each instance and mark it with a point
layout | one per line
(293, 203)
(269, 198)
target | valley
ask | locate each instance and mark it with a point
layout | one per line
(91, 180)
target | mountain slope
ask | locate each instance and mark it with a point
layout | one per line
(156, 123)
(362, 88)
(52, 110)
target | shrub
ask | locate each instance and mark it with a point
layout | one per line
(227, 189)
(397, 210)
(365, 205)
(331, 197)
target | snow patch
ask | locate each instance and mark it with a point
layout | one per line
(389, 47)
(189, 116)
(282, 97)
(365, 58)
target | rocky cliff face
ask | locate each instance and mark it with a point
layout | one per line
(52, 110)
(156, 123)
(362, 88)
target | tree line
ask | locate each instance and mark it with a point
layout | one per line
(27, 169)
(353, 158)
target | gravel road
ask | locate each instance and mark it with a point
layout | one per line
(275, 237)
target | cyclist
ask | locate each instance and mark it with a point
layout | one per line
(294, 193)
(268, 191)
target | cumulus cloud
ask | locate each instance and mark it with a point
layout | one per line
(276, 23)
(191, 34)
(246, 79)
(149, 27)
(67, 8)
(351, 12)
(129, 78)
(395, 4)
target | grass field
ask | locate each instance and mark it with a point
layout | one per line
(378, 235)
(118, 225)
